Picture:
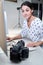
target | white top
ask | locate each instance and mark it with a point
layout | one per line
(34, 32)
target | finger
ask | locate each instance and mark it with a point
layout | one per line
(28, 45)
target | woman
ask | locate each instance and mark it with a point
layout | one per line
(32, 26)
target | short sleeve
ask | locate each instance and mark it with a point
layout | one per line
(41, 31)
(37, 33)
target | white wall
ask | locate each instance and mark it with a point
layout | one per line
(12, 12)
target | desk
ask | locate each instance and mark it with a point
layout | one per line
(35, 58)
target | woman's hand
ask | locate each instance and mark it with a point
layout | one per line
(32, 44)
(9, 39)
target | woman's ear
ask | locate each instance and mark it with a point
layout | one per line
(32, 11)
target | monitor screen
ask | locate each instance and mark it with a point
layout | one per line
(2, 28)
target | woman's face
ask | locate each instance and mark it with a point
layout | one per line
(26, 12)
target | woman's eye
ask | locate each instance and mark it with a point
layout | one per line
(27, 10)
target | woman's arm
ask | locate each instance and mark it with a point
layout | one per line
(14, 38)
(34, 44)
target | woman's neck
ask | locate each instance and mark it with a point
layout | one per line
(30, 20)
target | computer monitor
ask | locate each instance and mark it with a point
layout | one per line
(2, 28)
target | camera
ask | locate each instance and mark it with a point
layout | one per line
(19, 52)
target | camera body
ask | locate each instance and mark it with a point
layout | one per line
(19, 52)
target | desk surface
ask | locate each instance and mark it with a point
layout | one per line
(35, 58)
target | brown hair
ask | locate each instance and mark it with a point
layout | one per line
(27, 3)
